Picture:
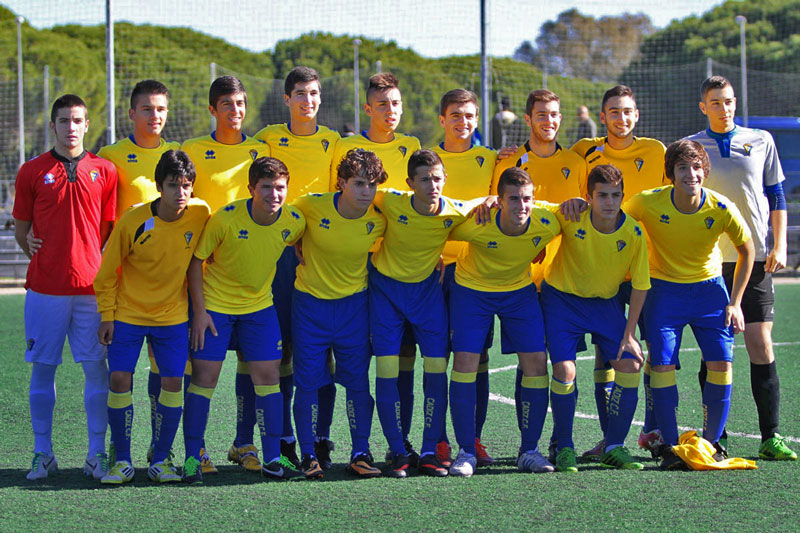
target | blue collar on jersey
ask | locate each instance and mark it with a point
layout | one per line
(214, 136)
(702, 201)
(250, 210)
(497, 221)
(289, 127)
(621, 221)
(364, 133)
(336, 200)
(471, 143)
(441, 206)
(133, 140)
(723, 140)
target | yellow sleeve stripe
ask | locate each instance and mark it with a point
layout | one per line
(604, 375)
(170, 399)
(628, 380)
(266, 390)
(200, 391)
(662, 380)
(483, 367)
(720, 378)
(463, 377)
(434, 365)
(286, 370)
(387, 366)
(119, 400)
(535, 382)
(562, 388)
(407, 364)
(242, 367)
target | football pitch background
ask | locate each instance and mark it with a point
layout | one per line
(495, 498)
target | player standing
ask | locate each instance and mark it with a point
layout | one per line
(747, 170)
(142, 294)
(306, 148)
(68, 197)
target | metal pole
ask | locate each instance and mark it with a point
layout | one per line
(743, 43)
(485, 101)
(111, 135)
(20, 101)
(378, 66)
(709, 67)
(213, 72)
(46, 98)
(356, 87)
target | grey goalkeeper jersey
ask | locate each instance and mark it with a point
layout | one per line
(743, 162)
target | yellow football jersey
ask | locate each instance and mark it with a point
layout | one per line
(684, 248)
(394, 156)
(495, 262)
(239, 281)
(142, 279)
(413, 243)
(136, 168)
(642, 163)
(335, 248)
(469, 175)
(222, 169)
(308, 157)
(592, 264)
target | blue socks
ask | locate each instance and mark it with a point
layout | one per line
(716, 404)
(563, 397)
(462, 409)
(533, 400)
(269, 416)
(621, 407)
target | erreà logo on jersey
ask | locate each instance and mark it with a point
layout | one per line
(254, 154)
(285, 234)
(370, 227)
(492, 245)
(188, 237)
(447, 223)
(536, 240)
(709, 222)
(403, 150)
(565, 171)
(284, 141)
(638, 162)
(325, 223)
(210, 154)
(480, 160)
(620, 245)
(93, 174)
(132, 158)
(325, 144)
(747, 148)
(243, 234)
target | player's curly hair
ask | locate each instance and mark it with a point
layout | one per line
(604, 174)
(267, 167)
(513, 177)
(685, 151)
(174, 163)
(361, 163)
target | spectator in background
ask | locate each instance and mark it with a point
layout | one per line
(502, 124)
(586, 126)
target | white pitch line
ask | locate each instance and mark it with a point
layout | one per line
(510, 401)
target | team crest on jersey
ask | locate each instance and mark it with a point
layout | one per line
(325, 223)
(325, 145)
(370, 227)
(254, 154)
(447, 223)
(210, 154)
(132, 158)
(480, 160)
(664, 219)
(536, 240)
(565, 171)
(581, 234)
(709, 222)
(93, 174)
(403, 150)
(49, 179)
(285, 234)
(243, 234)
(284, 141)
(188, 237)
(403, 219)
(638, 162)
(747, 148)
(620, 245)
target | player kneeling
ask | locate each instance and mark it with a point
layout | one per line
(685, 223)
(141, 294)
(579, 296)
(246, 238)
(493, 277)
(330, 307)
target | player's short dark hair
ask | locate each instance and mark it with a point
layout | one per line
(267, 167)
(148, 87)
(361, 163)
(381, 82)
(540, 95)
(422, 158)
(300, 75)
(174, 163)
(512, 177)
(68, 101)
(604, 174)
(618, 90)
(714, 82)
(685, 151)
(225, 85)
(457, 96)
